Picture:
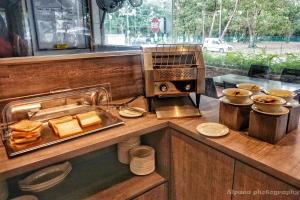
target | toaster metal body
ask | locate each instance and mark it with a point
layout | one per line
(174, 70)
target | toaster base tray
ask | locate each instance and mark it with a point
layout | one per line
(175, 107)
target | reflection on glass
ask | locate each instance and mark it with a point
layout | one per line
(14, 30)
(148, 24)
(61, 24)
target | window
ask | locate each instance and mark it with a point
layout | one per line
(3, 15)
(61, 24)
(148, 24)
(15, 38)
(39, 27)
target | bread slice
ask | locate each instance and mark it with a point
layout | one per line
(68, 128)
(25, 126)
(52, 122)
(22, 137)
(23, 140)
(88, 119)
(34, 133)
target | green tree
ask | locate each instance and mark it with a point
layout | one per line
(268, 17)
(195, 18)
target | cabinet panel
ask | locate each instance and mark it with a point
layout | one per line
(252, 184)
(158, 193)
(198, 171)
(160, 141)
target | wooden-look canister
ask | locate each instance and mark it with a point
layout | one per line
(142, 160)
(125, 146)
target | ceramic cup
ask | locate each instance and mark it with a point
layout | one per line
(238, 96)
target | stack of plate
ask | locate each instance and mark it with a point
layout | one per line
(26, 197)
(125, 146)
(3, 189)
(142, 160)
(45, 178)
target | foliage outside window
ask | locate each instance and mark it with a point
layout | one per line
(132, 26)
(258, 31)
(242, 31)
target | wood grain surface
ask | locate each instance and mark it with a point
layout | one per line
(134, 187)
(252, 184)
(67, 57)
(158, 193)
(198, 171)
(293, 120)
(124, 73)
(160, 141)
(280, 160)
(235, 117)
(79, 146)
(268, 128)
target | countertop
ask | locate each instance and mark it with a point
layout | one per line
(65, 57)
(281, 160)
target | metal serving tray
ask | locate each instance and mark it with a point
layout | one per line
(52, 106)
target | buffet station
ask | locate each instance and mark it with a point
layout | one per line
(137, 125)
(268, 115)
(37, 122)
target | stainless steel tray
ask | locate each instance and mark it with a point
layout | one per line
(48, 137)
(55, 105)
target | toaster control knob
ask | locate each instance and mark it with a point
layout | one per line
(188, 87)
(163, 87)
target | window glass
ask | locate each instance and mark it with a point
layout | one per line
(147, 24)
(247, 31)
(3, 15)
(61, 24)
(15, 38)
(261, 32)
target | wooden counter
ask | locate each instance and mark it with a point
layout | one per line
(76, 147)
(281, 160)
(67, 57)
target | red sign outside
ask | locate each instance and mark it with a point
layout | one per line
(155, 25)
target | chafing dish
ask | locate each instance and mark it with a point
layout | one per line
(54, 105)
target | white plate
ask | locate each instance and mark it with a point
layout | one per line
(26, 197)
(49, 184)
(282, 111)
(212, 129)
(131, 114)
(225, 100)
(43, 179)
(292, 103)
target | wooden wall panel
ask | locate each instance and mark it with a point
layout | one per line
(123, 72)
(158, 193)
(198, 171)
(252, 184)
(160, 141)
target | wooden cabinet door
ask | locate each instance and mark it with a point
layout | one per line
(252, 184)
(199, 171)
(158, 193)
